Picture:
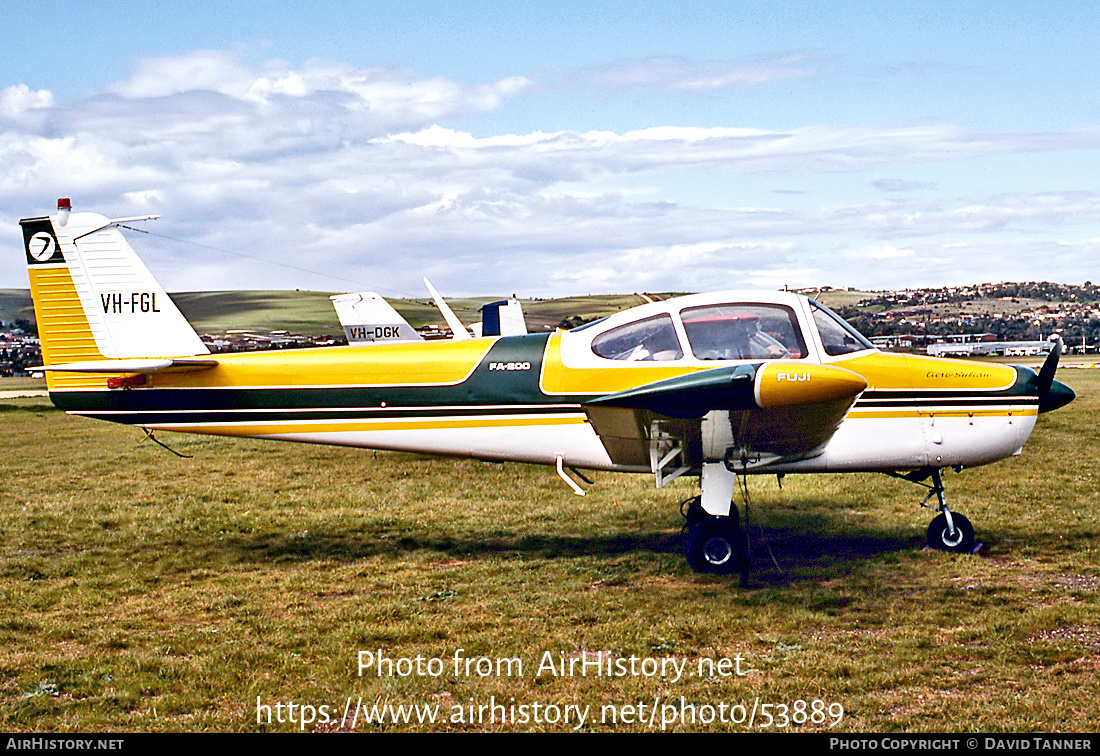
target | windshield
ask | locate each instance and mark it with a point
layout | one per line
(836, 335)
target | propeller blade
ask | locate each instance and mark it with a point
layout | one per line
(1052, 394)
(1050, 367)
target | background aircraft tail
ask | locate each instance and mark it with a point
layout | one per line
(93, 297)
(367, 318)
(503, 318)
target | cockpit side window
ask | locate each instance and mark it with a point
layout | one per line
(650, 339)
(836, 335)
(743, 332)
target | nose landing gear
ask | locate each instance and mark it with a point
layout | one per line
(954, 534)
(949, 531)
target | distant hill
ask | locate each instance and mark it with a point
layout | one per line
(311, 312)
(15, 304)
(1011, 311)
(307, 312)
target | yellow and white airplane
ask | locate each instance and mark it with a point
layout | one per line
(714, 385)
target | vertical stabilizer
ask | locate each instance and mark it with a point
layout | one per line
(458, 330)
(367, 318)
(93, 297)
(503, 318)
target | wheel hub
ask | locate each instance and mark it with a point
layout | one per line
(951, 539)
(717, 551)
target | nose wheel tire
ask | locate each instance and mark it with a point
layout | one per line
(718, 546)
(941, 536)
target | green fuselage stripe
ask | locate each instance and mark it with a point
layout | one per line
(506, 381)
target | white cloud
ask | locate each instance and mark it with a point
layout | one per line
(201, 70)
(745, 150)
(355, 172)
(884, 252)
(900, 185)
(676, 74)
(18, 99)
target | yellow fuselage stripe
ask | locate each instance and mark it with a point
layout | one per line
(434, 363)
(888, 370)
(557, 379)
(1022, 412)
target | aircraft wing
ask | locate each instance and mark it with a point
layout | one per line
(758, 413)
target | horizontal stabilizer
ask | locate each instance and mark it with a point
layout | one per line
(133, 366)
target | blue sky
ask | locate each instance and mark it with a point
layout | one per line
(563, 148)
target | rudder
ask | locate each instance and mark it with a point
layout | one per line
(93, 297)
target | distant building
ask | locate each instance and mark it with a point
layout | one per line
(903, 341)
(989, 348)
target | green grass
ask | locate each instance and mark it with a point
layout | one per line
(838, 299)
(308, 312)
(142, 591)
(22, 383)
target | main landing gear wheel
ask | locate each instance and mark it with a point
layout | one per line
(942, 537)
(718, 546)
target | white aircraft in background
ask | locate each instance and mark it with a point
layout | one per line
(367, 318)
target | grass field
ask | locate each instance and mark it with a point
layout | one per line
(22, 383)
(143, 591)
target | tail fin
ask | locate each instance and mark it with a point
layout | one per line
(367, 318)
(93, 297)
(503, 318)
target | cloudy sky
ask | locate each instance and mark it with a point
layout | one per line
(552, 148)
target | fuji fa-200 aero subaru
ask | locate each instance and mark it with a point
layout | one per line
(713, 385)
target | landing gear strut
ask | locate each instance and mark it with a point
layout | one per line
(949, 531)
(716, 544)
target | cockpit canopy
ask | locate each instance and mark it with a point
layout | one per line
(728, 331)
